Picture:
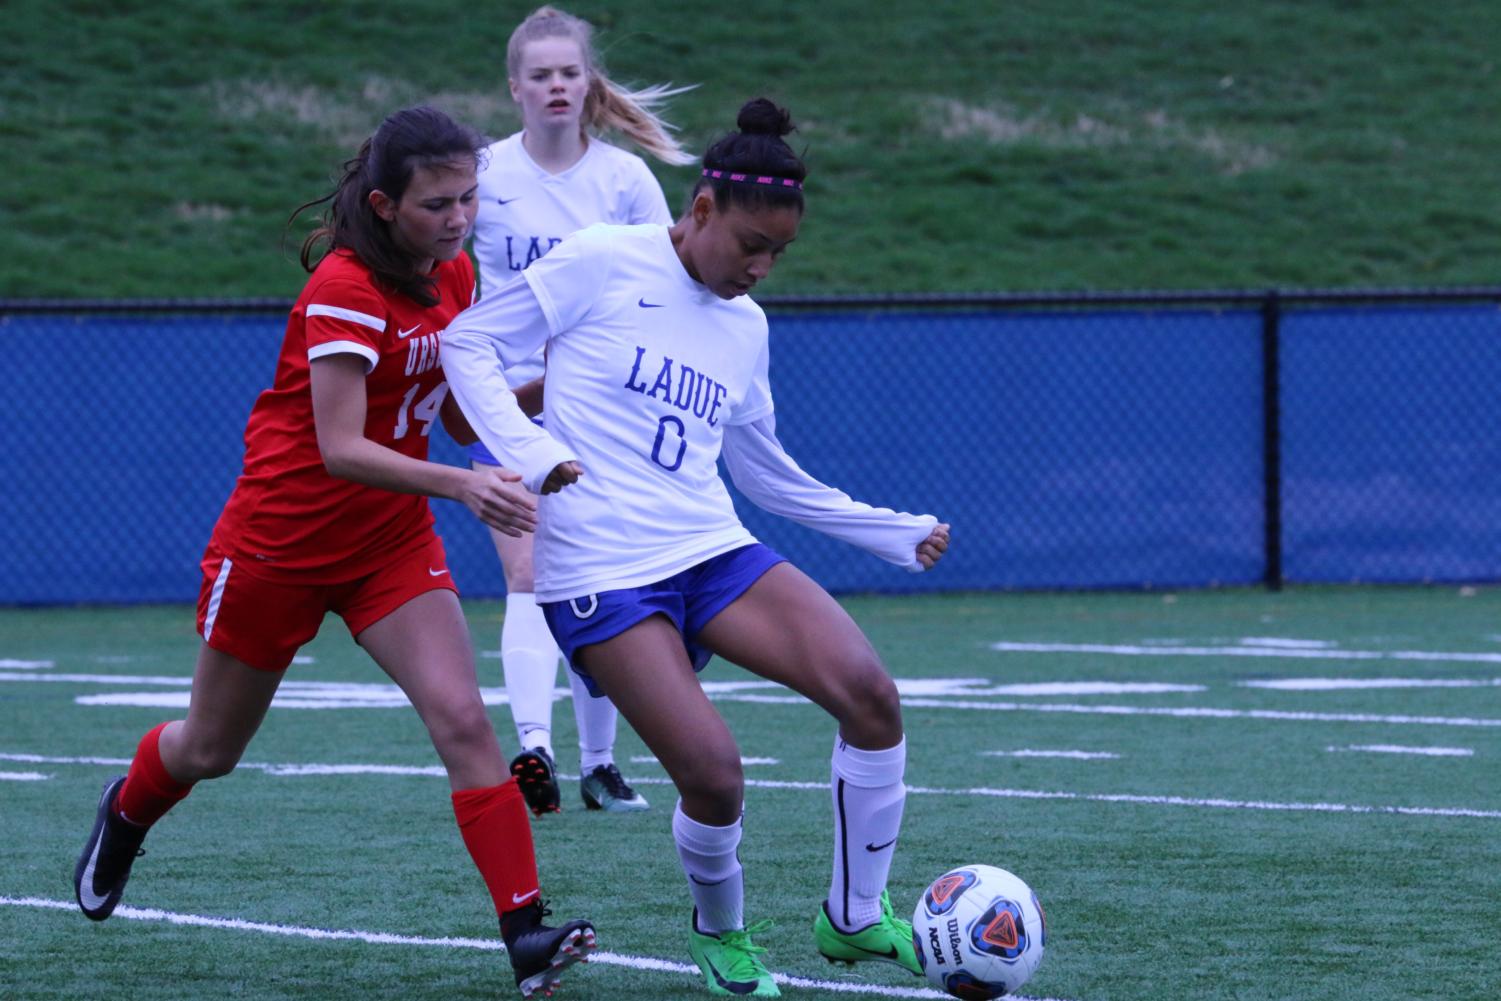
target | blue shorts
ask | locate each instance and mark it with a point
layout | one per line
(690, 599)
(482, 455)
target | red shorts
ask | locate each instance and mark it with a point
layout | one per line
(263, 623)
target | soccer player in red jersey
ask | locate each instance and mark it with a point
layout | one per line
(331, 514)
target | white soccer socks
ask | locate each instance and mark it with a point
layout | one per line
(868, 799)
(713, 869)
(596, 718)
(529, 658)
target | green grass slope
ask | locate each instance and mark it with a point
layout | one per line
(154, 150)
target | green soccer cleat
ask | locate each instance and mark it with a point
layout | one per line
(605, 789)
(731, 961)
(889, 940)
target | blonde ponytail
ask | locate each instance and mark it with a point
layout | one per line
(633, 114)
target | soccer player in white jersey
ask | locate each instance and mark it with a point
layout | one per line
(657, 365)
(541, 184)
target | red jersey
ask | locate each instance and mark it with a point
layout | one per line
(287, 513)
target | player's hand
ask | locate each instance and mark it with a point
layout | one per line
(931, 549)
(563, 474)
(498, 499)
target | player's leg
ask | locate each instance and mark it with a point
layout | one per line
(529, 660)
(423, 645)
(645, 671)
(251, 629)
(228, 702)
(601, 786)
(786, 628)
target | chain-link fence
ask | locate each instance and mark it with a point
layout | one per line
(1083, 441)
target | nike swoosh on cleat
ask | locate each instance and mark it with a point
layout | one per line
(881, 847)
(86, 895)
(890, 953)
(649, 305)
(733, 986)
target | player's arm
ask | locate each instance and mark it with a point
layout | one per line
(763, 471)
(455, 423)
(338, 387)
(505, 328)
(528, 398)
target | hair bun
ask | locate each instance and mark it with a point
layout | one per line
(761, 117)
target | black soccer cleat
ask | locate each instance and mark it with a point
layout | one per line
(113, 846)
(538, 779)
(540, 954)
(606, 789)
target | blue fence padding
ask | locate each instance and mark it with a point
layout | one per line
(1084, 448)
(1392, 444)
(1066, 449)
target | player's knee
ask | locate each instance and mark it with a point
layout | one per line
(867, 696)
(519, 580)
(199, 762)
(459, 727)
(714, 780)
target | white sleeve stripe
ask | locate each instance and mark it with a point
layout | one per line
(352, 315)
(327, 348)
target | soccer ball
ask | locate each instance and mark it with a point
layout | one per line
(979, 932)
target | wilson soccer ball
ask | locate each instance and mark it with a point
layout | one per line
(979, 932)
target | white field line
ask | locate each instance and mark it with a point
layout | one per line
(1253, 650)
(1185, 712)
(25, 665)
(1436, 752)
(1280, 641)
(823, 787)
(341, 695)
(296, 694)
(1071, 755)
(23, 777)
(648, 963)
(1361, 684)
(648, 759)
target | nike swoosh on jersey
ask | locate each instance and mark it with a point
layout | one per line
(504, 201)
(649, 305)
(436, 573)
(404, 334)
(879, 848)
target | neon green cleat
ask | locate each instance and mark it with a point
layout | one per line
(889, 940)
(731, 961)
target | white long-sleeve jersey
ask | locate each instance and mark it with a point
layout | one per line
(649, 377)
(525, 211)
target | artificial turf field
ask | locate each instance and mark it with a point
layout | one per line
(1200, 817)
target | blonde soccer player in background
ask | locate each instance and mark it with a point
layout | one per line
(553, 177)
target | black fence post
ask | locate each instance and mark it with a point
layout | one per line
(1271, 411)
